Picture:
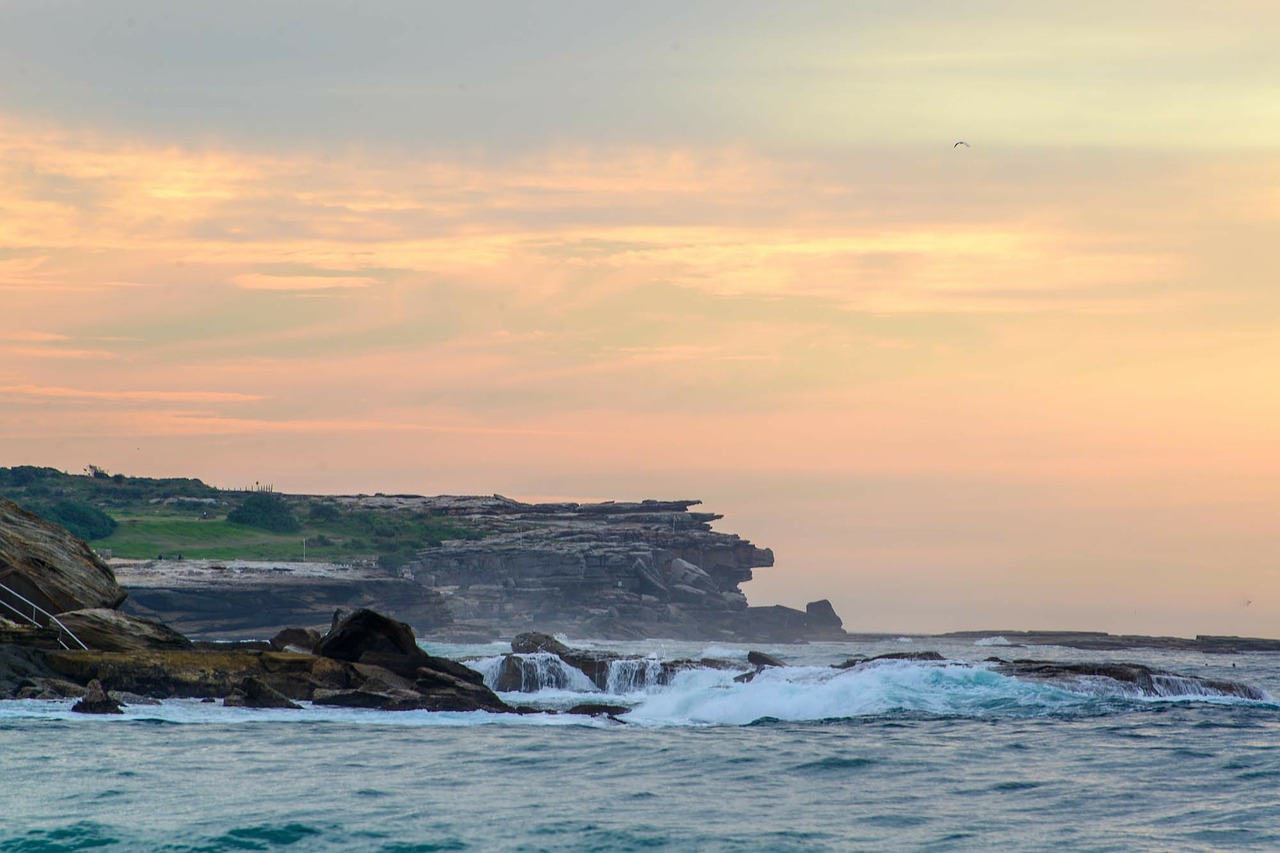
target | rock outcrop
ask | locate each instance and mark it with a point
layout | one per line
(1140, 679)
(48, 567)
(255, 693)
(96, 701)
(539, 661)
(113, 631)
(368, 661)
(610, 570)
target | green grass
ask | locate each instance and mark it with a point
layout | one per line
(149, 537)
(150, 527)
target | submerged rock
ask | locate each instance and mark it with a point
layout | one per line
(917, 656)
(1137, 677)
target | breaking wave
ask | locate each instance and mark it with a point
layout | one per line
(708, 696)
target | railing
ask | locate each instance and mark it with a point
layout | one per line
(37, 609)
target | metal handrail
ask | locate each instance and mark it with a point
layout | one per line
(32, 619)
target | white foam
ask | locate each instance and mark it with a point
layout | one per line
(706, 697)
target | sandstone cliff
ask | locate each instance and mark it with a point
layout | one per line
(43, 565)
(611, 570)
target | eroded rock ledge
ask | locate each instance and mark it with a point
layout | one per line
(613, 570)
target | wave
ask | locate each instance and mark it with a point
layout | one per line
(659, 695)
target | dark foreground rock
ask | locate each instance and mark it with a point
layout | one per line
(255, 693)
(96, 701)
(368, 661)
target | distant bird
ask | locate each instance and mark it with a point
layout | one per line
(961, 142)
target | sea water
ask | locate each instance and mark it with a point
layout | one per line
(896, 755)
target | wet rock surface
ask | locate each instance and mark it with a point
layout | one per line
(1142, 679)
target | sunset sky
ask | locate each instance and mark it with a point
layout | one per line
(729, 251)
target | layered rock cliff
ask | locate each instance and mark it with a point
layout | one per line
(651, 568)
(610, 570)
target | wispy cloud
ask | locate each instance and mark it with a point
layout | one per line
(259, 281)
(132, 396)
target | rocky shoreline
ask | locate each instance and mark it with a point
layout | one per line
(66, 638)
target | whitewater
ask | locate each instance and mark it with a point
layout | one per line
(893, 755)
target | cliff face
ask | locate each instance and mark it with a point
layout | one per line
(611, 570)
(608, 570)
(49, 567)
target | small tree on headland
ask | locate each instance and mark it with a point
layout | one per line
(267, 511)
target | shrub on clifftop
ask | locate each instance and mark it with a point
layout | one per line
(267, 511)
(84, 521)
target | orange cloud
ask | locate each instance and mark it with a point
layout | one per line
(128, 396)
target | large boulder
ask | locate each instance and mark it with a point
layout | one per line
(820, 614)
(593, 664)
(96, 701)
(113, 631)
(46, 565)
(366, 631)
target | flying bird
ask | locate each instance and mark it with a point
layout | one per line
(961, 142)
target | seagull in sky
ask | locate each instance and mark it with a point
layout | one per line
(961, 142)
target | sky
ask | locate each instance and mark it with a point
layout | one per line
(725, 251)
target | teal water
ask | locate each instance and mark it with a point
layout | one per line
(922, 758)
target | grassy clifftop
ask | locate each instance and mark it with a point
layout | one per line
(174, 517)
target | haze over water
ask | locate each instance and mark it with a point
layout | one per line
(677, 250)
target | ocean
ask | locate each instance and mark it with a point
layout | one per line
(897, 755)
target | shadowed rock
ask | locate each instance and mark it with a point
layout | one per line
(759, 659)
(820, 614)
(255, 693)
(599, 709)
(296, 640)
(917, 656)
(96, 701)
(48, 566)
